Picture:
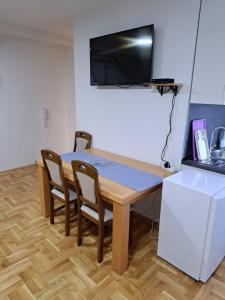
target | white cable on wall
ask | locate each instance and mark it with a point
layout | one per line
(45, 116)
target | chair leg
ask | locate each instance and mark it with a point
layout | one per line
(75, 206)
(52, 212)
(80, 229)
(131, 229)
(106, 230)
(67, 219)
(100, 242)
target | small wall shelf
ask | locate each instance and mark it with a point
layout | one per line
(164, 88)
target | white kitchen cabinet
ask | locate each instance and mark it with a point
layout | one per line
(192, 222)
(209, 69)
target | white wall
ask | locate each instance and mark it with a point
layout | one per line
(70, 98)
(33, 75)
(134, 122)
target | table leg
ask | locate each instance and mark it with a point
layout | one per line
(44, 191)
(121, 215)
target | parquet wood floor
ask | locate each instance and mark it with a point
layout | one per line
(38, 262)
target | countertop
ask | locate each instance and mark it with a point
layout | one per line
(200, 165)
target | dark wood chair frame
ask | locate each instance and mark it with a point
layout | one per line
(54, 157)
(82, 167)
(83, 135)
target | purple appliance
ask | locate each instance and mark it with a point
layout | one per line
(196, 125)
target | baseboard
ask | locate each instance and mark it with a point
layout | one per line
(17, 168)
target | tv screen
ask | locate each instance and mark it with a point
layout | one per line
(123, 58)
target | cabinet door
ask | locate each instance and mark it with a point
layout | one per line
(209, 70)
(224, 94)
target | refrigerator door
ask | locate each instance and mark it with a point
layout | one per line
(215, 240)
(183, 226)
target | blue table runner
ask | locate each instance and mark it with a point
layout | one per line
(128, 176)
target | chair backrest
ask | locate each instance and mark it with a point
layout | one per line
(53, 164)
(87, 185)
(82, 141)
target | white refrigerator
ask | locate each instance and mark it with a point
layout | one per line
(192, 222)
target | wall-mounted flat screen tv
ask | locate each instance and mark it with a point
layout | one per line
(123, 58)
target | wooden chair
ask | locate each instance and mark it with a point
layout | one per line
(58, 187)
(82, 141)
(90, 204)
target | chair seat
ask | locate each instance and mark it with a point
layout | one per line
(95, 215)
(59, 194)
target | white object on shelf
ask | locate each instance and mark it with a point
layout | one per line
(192, 222)
(202, 144)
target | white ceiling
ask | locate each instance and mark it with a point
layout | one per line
(50, 15)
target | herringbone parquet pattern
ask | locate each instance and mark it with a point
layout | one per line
(38, 262)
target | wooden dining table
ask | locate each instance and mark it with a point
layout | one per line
(121, 197)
